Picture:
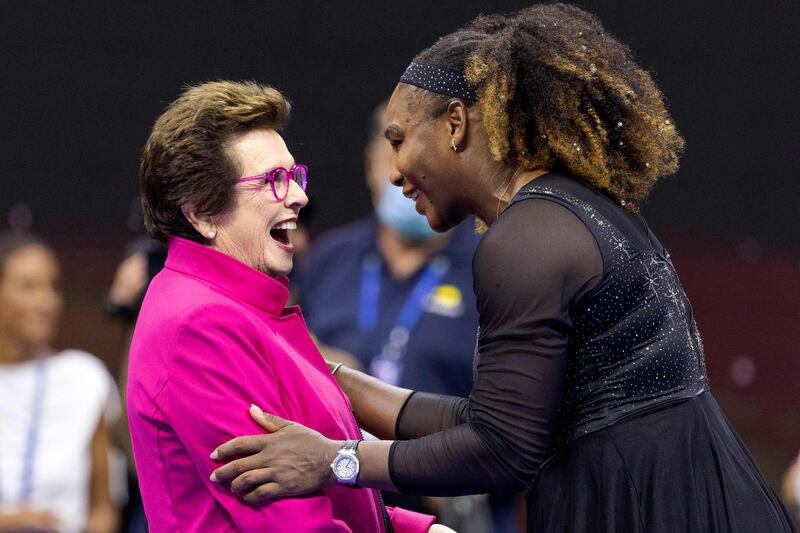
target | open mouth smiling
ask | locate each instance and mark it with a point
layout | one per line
(280, 231)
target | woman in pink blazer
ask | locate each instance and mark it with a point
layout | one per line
(214, 335)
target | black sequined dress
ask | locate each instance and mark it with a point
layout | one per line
(590, 385)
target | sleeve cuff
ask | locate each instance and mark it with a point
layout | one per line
(397, 432)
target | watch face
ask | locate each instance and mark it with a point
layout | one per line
(345, 467)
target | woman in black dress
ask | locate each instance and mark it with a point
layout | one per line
(590, 385)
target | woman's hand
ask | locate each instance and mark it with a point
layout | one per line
(439, 528)
(291, 460)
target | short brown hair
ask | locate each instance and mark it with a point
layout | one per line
(185, 158)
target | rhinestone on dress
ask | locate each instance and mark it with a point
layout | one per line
(634, 340)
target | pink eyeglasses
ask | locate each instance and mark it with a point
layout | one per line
(278, 179)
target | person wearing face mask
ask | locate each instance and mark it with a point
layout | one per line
(378, 292)
(384, 287)
(590, 389)
(214, 334)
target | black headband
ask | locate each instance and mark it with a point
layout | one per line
(439, 80)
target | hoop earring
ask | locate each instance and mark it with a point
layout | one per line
(453, 144)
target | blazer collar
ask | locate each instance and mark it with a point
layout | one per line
(228, 274)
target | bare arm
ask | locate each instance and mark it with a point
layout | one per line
(27, 520)
(103, 513)
(393, 413)
(376, 404)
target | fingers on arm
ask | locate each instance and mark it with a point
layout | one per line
(240, 447)
(268, 421)
(237, 467)
(251, 479)
(267, 491)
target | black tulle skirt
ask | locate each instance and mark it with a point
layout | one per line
(680, 468)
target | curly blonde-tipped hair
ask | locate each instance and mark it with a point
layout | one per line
(185, 158)
(554, 88)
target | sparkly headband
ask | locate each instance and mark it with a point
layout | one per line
(438, 80)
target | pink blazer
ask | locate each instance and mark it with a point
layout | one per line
(213, 337)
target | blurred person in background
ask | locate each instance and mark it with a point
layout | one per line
(214, 334)
(383, 287)
(378, 293)
(55, 406)
(144, 258)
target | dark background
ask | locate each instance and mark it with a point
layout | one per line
(82, 83)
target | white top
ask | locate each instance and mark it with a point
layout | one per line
(77, 391)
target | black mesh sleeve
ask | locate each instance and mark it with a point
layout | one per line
(430, 413)
(534, 262)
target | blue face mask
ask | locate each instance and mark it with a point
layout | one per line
(399, 213)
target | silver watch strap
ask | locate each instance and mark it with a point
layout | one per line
(350, 446)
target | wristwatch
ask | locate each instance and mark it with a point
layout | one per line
(345, 465)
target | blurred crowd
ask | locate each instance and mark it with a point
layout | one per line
(65, 456)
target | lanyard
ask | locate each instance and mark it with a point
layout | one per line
(32, 441)
(412, 309)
